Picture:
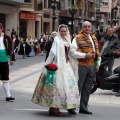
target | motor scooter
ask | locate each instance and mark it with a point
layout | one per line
(104, 80)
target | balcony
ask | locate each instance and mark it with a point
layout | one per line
(27, 1)
(118, 3)
(91, 14)
(104, 9)
(80, 4)
(27, 7)
(78, 14)
(12, 2)
(91, 1)
(65, 13)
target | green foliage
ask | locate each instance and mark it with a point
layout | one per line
(54, 17)
(73, 7)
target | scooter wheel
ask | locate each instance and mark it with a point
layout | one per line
(94, 88)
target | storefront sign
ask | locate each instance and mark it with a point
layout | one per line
(27, 16)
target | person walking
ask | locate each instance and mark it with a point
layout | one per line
(85, 48)
(16, 43)
(5, 51)
(48, 44)
(42, 44)
(25, 49)
(107, 41)
(63, 91)
(13, 32)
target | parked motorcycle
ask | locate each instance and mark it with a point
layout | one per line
(104, 80)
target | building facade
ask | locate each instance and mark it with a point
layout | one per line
(35, 18)
(9, 14)
(29, 19)
(86, 11)
(107, 15)
(98, 14)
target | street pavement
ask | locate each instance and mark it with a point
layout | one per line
(24, 75)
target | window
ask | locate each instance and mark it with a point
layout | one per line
(45, 3)
(105, 3)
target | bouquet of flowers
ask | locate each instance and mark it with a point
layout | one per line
(51, 74)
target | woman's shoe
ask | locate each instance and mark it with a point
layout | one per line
(53, 111)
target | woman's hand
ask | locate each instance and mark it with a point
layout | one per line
(97, 69)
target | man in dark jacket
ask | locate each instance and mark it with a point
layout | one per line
(6, 49)
(49, 44)
(107, 41)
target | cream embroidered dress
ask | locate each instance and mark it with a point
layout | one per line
(64, 93)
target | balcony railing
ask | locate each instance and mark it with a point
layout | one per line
(66, 13)
(91, 14)
(79, 13)
(91, 0)
(29, 6)
(28, 1)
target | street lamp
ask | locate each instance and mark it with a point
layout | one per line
(54, 4)
(98, 17)
(72, 10)
(115, 10)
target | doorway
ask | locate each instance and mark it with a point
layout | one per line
(46, 27)
(37, 29)
(23, 28)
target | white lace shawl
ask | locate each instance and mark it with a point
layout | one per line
(57, 54)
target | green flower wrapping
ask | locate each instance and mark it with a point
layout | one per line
(50, 77)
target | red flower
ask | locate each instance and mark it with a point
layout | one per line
(51, 67)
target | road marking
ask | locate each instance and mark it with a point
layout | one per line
(34, 110)
(30, 109)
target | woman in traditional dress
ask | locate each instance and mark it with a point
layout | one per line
(63, 94)
(31, 43)
(25, 49)
(36, 46)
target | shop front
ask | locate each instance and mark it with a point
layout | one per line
(29, 24)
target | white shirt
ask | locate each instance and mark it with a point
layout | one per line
(76, 54)
(73, 51)
(2, 46)
(42, 40)
(92, 43)
(14, 39)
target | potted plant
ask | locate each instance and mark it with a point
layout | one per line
(54, 17)
(73, 9)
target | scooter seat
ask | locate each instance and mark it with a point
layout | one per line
(112, 78)
(117, 70)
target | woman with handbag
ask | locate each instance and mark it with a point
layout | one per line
(62, 92)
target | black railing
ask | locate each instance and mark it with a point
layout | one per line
(28, 1)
